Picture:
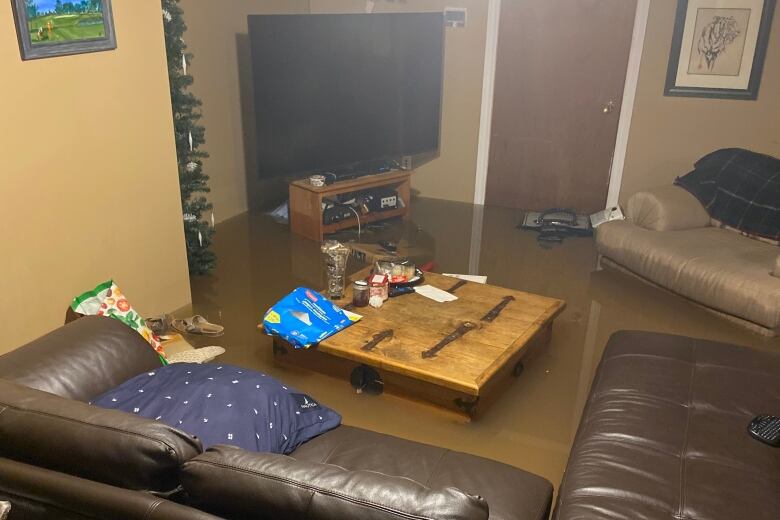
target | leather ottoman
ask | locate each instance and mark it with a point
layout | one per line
(664, 433)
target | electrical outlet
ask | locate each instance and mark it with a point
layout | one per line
(406, 162)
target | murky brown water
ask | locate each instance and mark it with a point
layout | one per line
(534, 422)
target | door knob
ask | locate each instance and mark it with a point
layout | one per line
(608, 107)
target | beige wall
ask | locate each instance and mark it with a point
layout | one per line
(669, 133)
(89, 179)
(217, 37)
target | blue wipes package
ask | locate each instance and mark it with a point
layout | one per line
(305, 317)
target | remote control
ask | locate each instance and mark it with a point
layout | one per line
(400, 291)
(766, 428)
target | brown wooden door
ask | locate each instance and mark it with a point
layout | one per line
(559, 65)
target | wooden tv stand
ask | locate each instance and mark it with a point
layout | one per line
(306, 202)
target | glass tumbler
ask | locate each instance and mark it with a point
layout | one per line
(335, 256)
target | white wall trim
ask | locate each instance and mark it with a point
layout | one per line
(486, 112)
(627, 106)
(475, 244)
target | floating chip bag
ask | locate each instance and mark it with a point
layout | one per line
(305, 317)
(107, 300)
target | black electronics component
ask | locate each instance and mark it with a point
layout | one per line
(359, 170)
(381, 199)
(334, 211)
(400, 291)
(766, 428)
(352, 205)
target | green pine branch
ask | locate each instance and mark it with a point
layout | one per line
(189, 136)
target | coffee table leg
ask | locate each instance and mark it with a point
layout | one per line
(468, 407)
(366, 379)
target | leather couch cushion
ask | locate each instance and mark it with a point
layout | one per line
(80, 360)
(666, 208)
(511, 493)
(41, 493)
(242, 484)
(715, 267)
(776, 270)
(664, 433)
(83, 440)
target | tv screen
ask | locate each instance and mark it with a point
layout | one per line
(332, 90)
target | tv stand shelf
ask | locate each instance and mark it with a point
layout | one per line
(306, 202)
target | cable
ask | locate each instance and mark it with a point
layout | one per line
(357, 215)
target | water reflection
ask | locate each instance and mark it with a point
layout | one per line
(532, 425)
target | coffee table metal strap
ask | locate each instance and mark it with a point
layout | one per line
(378, 338)
(495, 311)
(461, 331)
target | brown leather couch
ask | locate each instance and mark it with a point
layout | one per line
(664, 434)
(63, 458)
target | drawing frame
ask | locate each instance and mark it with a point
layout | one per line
(750, 38)
(102, 22)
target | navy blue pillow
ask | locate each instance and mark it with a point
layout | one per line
(224, 404)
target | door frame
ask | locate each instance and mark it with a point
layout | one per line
(626, 105)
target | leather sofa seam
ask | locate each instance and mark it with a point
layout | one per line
(152, 508)
(101, 427)
(646, 447)
(308, 504)
(699, 365)
(684, 447)
(581, 494)
(436, 466)
(598, 394)
(314, 489)
(333, 450)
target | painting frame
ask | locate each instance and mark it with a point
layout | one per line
(685, 83)
(31, 50)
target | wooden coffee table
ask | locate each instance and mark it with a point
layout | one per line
(458, 354)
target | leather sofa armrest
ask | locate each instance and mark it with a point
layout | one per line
(776, 270)
(80, 360)
(109, 446)
(666, 208)
(40, 493)
(235, 483)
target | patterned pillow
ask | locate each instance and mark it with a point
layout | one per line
(224, 404)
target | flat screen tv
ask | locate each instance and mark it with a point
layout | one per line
(336, 90)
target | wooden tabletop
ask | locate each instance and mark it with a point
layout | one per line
(419, 324)
(364, 182)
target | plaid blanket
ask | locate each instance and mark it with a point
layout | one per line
(739, 188)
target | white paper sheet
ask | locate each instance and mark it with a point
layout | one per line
(468, 277)
(435, 294)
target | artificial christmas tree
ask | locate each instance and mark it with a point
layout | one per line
(189, 137)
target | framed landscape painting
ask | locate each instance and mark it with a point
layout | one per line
(718, 48)
(56, 28)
